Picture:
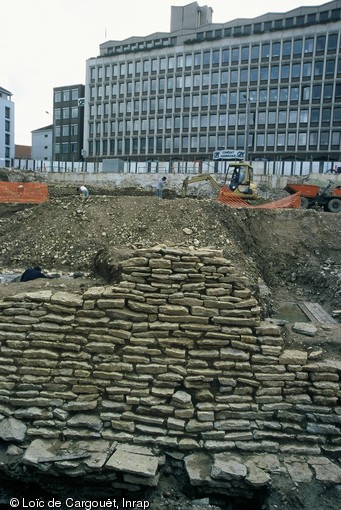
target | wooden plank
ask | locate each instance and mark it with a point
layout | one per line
(316, 313)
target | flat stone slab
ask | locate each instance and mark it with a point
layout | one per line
(304, 328)
(135, 463)
(227, 469)
(299, 472)
(327, 472)
(12, 429)
(198, 467)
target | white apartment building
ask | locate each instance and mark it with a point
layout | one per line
(270, 85)
(7, 146)
(42, 143)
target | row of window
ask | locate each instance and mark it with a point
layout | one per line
(295, 48)
(245, 29)
(66, 130)
(66, 148)
(254, 75)
(66, 113)
(261, 141)
(187, 102)
(283, 118)
(66, 95)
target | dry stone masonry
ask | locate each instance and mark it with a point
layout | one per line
(174, 359)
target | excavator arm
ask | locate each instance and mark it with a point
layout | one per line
(199, 178)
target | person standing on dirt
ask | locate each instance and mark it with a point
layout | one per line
(160, 186)
(84, 192)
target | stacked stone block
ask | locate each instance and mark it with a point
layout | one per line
(174, 356)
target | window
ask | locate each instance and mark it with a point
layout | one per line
(330, 68)
(291, 139)
(313, 137)
(332, 42)
(179, 61)
(304, 117)
(324, 139)
(235, 55)
(66, 113)
(215, 56)
(286, 49)
(315, 116)
(293, 117)
(274, 72)
(309, 45)
(320, 43)
(326, 115)
(328, 91)
(155, 66)
(296, 71)
(276, 49)
(57, 96)
(302, 139)
(317, 92)
(255, 52)
(245, 54)
(297, 48)
(265, 50)
(206, 58)
(215, 78)
(285, 70)
(307, 70)
(318, 69)
(225, 56)
(264, 73)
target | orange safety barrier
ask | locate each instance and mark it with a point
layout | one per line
(232, 200)
(23, 192)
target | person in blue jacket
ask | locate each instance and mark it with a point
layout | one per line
(32, 273)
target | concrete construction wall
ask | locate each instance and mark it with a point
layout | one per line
(174, 356)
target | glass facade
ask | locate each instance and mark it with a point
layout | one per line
(187, 100)
(68, 120)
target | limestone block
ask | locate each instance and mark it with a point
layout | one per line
(12, 429)
(67, 299)
(256, 476)
(304, 328)
(189, 444)
(227, 467)
(327, 471)
(198, 466)
(289, 357)
(268, 329)
(43, 295)
(135, 463)
(299, 472)
(110, 303)
(234, 354)
(85, 420)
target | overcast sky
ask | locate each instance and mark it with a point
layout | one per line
(45, 43)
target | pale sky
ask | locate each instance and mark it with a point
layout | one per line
(45, 43)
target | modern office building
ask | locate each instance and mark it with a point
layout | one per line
(269, 85)
(42, 140)
(68, 122)
(7, 146)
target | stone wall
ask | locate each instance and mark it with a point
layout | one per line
(174, 356)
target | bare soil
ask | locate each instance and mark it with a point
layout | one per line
(296, 253)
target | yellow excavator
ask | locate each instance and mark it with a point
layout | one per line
(240, 184)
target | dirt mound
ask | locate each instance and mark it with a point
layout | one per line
(293, 251)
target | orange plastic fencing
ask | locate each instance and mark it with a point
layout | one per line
(23, 192)
(232, 200)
